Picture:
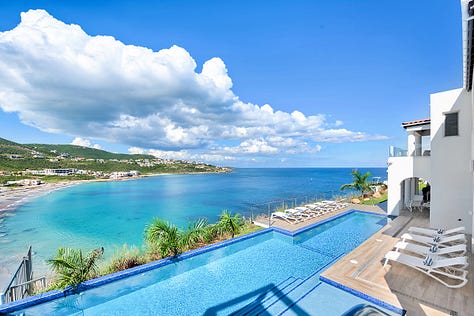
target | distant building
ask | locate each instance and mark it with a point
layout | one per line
(59, 172)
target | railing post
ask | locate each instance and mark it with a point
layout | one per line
(28, 272)
(269, 219)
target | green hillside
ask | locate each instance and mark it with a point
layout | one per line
(84, 152)
(11, 148)
(17, 160)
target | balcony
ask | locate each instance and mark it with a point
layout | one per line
(400, 152)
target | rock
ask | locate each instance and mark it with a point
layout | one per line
(355, 201)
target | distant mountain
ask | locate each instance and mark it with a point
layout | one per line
(91, 162)
(80, 151)
(11, 148)
(29, 150)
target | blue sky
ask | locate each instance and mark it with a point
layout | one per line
(235, 83)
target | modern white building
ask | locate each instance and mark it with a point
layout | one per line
(440, 150)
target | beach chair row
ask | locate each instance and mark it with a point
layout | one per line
(302, 213)
(437, 253)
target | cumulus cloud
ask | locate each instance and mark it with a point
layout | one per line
(61, 80)
(190, 156)
(78, 141)
(136, 151)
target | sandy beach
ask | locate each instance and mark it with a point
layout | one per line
(10, 198)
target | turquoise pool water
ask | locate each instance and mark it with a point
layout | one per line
(269, 274)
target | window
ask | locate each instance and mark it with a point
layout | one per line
(451, 124)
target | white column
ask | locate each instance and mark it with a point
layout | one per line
(418, 144)
(411, 144)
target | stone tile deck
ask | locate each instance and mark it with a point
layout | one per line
(401, 286)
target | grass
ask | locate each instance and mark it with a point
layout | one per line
(373, 201)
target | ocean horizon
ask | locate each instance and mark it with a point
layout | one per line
(110, 214)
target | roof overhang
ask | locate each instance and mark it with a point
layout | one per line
(422, 127)
(422, 122)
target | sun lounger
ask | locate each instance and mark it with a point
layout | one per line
(298, 213)
(287, 218)
(437, 240)
(433, 250)
(305, 211)
(435, 232)
(439, 269)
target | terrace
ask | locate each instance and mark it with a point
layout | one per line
(362, 270)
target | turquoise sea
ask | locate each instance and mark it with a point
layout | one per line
(110, 214)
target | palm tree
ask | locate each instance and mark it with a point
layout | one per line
(360, 182)
(229, 224)
(72, 267)
(197, 232)
(166, 236)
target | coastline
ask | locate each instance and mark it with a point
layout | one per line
(11, 198)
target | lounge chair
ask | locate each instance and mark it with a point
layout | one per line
(416, 203)
(435, 232)
(451, 268)
(298, 213)
(305, 211)
(441, 241)
(433, 250)
(287, 218)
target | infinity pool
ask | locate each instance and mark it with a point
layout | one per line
(267, 273)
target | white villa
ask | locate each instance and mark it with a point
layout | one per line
(440, 150)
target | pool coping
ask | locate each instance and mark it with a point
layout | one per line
(109, 278)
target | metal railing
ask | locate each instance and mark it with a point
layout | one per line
(263, 211)
(22, 283)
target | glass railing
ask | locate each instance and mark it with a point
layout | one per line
(400, 152)
(397, 152)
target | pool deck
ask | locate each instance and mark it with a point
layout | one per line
(403, 287)
(263, 221)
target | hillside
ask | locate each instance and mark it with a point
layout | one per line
(84, 152)
(31, 161)
(11, 148)
(29, 150)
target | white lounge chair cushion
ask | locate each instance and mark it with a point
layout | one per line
(451, 268)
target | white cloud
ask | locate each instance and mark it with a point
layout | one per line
(189, 156)
(78, 141)
(136, 151)
(62, 80)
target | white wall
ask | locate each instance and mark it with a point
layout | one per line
(451, 162)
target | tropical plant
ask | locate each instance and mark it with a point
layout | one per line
(360, 182)
(167, 237)
(229, 223)
(198, 232)
(72, 267)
